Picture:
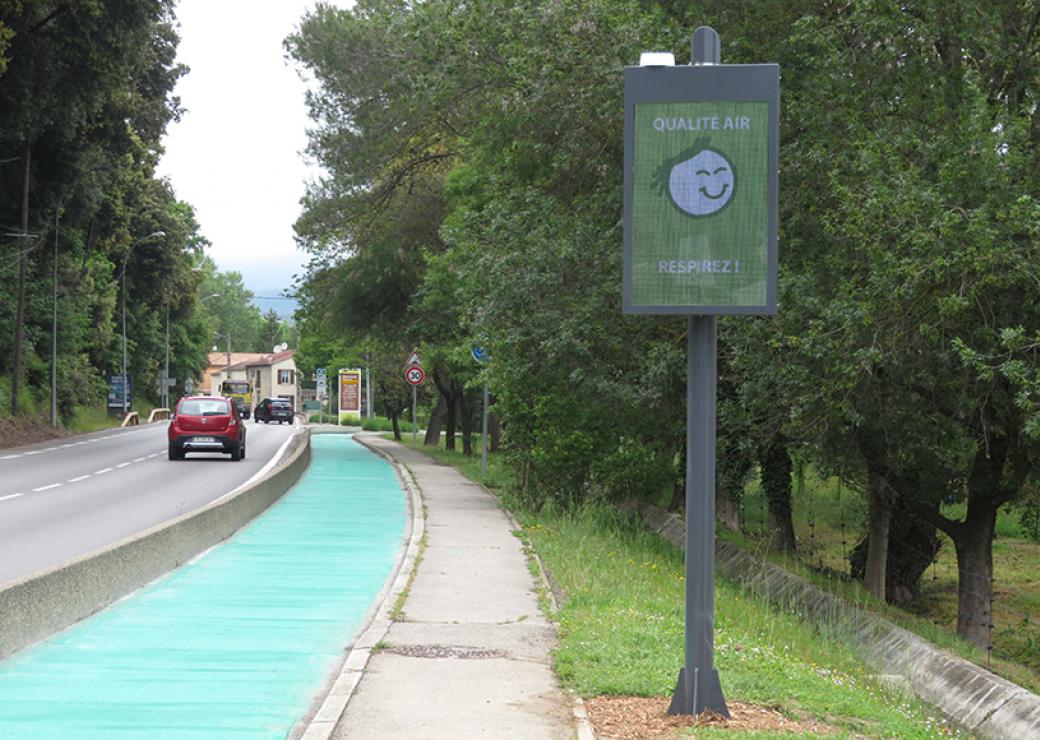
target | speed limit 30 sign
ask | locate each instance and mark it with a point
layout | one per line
(414, 375)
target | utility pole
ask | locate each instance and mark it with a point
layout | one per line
(166, 367)
(19, 323)
(54, 328)
(368, 387)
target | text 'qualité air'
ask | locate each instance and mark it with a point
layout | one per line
(702, 123)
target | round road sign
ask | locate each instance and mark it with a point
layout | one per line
(415, 375)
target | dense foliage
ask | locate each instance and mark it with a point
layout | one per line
(472, 197)
(86, 227)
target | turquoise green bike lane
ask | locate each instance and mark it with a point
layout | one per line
(237, 642)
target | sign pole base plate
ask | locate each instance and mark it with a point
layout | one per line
(704, 693)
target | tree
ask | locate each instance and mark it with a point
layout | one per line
(231, 311)
(908, 220)
(86, 93)
(272, 331)
(925, 216)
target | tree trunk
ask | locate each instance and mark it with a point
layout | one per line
(879, 516)
(973, 537)
(734, 465)
(23, 262)
(433, 429)
(912, 547)
(727, 510)
(397, 427)
(494, 431)
(776, 483)
(449, 394)
(974, 575)
(449, 423)
(466, 418)
(678, 502)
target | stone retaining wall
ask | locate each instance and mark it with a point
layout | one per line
(971, 696)
(37, 606)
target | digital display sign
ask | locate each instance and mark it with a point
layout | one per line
(701, 189)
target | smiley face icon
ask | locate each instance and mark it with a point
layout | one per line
(703, 184)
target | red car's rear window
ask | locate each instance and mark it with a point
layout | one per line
(204, 407)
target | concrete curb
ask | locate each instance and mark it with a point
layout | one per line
(377, 623)
(979, 701)
(37, 606)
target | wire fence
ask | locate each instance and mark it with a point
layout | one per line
(1012, 621)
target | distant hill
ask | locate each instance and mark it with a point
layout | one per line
(267, 300)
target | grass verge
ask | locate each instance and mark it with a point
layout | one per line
(93, 419)
(621, 627)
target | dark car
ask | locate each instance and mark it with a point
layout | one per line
(206, 424)
(273, 409)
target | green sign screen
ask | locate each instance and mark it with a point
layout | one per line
(700, 204)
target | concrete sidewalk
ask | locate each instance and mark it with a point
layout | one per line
(469, 656)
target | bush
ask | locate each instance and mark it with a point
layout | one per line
(379, 424)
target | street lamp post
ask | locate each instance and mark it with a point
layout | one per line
(54, 330)
(166, 367)
(226, 335)
(126, 259)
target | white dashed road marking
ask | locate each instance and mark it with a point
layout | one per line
(77, 479)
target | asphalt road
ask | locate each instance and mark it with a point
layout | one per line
(67, 497)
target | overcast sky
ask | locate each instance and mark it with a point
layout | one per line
(236, 154)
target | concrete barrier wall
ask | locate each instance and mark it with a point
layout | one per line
(37, 606)
(969, 695)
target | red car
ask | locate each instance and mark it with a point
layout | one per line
(206, 424)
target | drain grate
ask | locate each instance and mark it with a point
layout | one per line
(462, 652)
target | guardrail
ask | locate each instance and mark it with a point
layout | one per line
(158, 415)
(131, 420)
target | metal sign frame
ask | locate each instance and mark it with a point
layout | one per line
(707, 83)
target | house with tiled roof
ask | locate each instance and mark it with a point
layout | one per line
(272, 374)
(217, 364)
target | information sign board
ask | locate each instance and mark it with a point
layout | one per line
(115, 390)
(350, 392)
(701, 154)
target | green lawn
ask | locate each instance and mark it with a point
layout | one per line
(621, 627)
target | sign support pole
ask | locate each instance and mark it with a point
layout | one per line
(698, 688)
(415, 393)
